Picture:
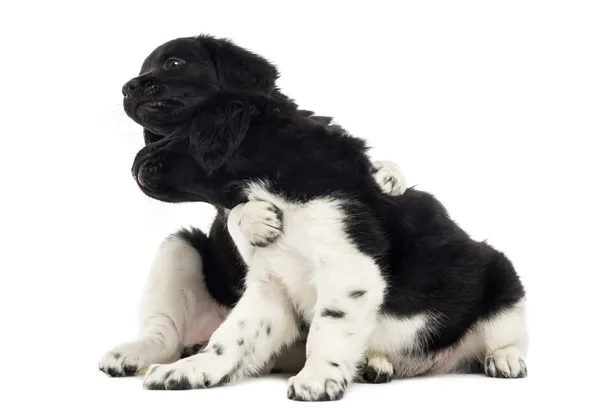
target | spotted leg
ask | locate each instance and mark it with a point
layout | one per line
(258, 328)
(349, 292)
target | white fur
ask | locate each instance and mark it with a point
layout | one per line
(256, 330)
(390, 178)
(176, 310)
(392, 334)
(381, 365)
(500, 341)
(310, 269)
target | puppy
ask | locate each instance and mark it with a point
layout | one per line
(195, 279)
(392, 276)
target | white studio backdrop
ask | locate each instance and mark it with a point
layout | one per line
(491, 106)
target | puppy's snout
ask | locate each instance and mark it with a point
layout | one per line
(149, 173)
(130, 87)
(146, 89)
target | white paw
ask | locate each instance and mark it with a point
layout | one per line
(133, 358)
(203, 370)
(260, 222)
(390, 178)
(378, 369)
(505, 363)
(323, 383)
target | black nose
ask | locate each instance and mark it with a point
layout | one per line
(130, 87)
(149, 88)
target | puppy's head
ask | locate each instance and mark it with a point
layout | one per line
(178, 77)
(174, 98)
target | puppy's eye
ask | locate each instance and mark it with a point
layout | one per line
(174, 62)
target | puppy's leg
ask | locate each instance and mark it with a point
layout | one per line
(349, 292)
(504, 340)
(260, 325)
(168, 304)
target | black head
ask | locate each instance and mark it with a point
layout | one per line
(178, 77)
(188, 128)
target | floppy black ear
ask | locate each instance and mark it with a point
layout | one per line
(238, 68)
(217, 133)
(150, 137)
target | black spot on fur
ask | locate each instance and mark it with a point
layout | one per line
(334, 364)
(117, 355)
(241, 342)
(155, 386)
(336, 314)
(391, 180)
(182, 383)
(191, 350)
(372, 375)
(357, 293)
(268, 329)
(130, 370)
(274, 209)
(218, 349)
(523, 372)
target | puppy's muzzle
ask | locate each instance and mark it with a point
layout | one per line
(135, 88)
(151, 162)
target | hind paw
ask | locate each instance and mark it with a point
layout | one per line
(505, 363)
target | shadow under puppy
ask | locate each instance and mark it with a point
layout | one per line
(392, 276)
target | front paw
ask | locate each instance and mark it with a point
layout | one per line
(129, 359)
(390, 178)
(260, 222)
(205, 369)
(314, 384)
(178, 376)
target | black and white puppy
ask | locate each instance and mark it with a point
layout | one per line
(365, 272)
(196, 279)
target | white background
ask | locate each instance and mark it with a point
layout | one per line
(492, 106)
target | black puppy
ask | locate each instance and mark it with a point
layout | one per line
(392, 276)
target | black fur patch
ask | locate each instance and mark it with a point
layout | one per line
(218, 348)
(335, 364)
(155, 386)
(130, 370)
(268, 329)
(372, 375)
(188, 351)
(240, 342)
(182, 383)
(336, 314)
